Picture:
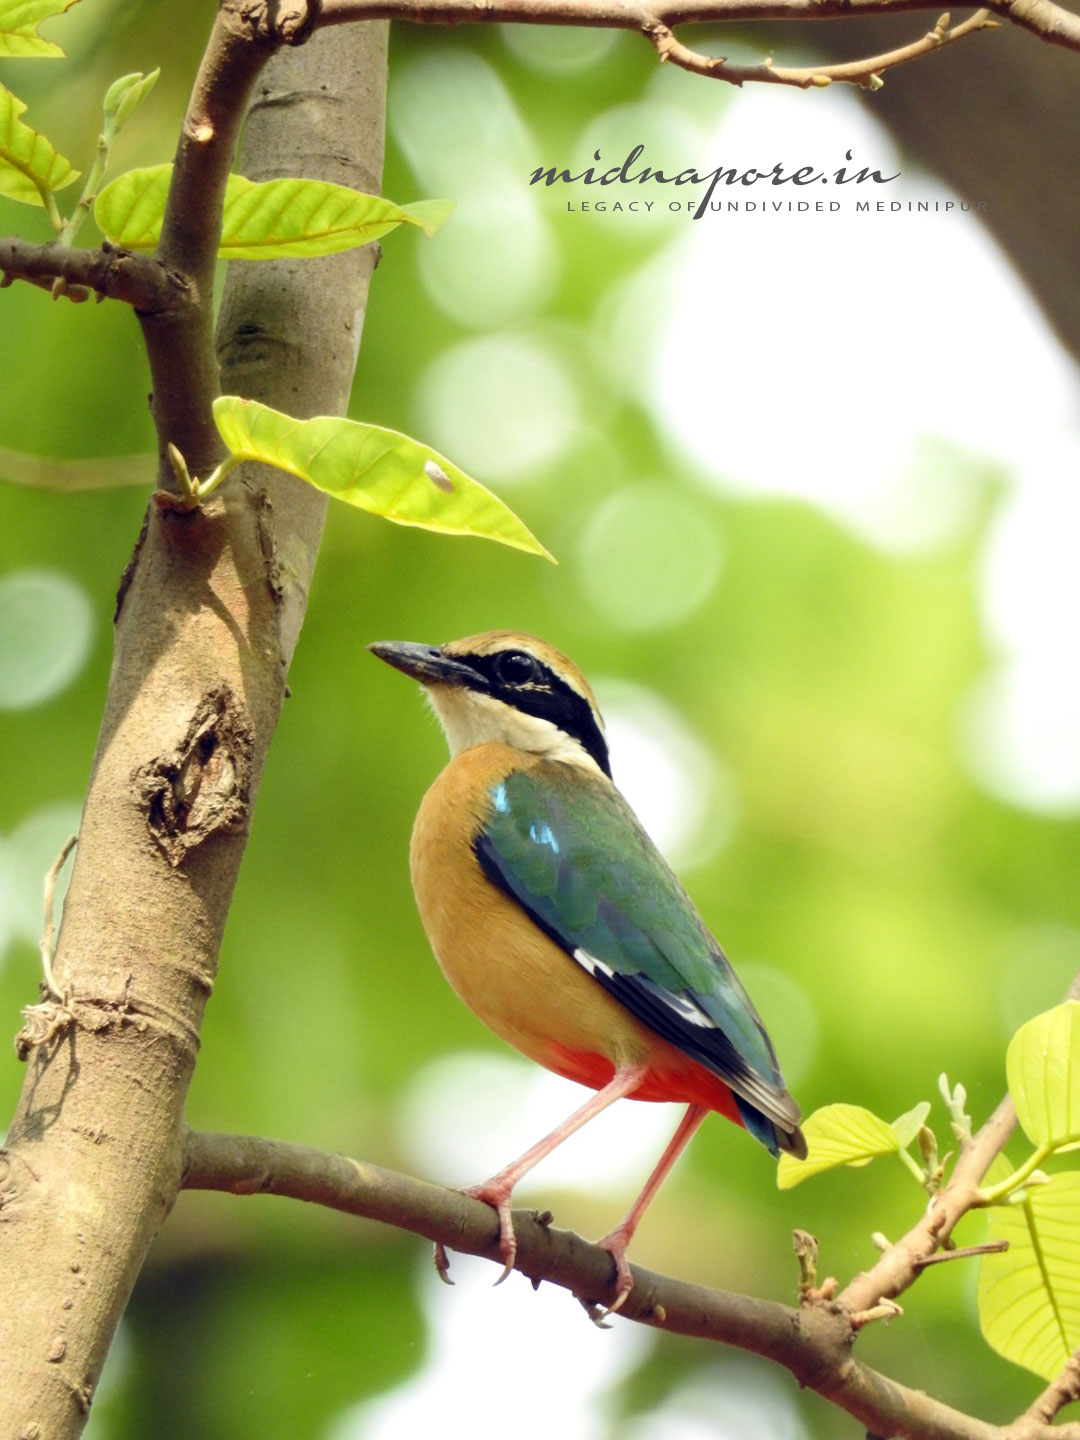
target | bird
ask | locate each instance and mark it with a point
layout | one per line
(556, 919)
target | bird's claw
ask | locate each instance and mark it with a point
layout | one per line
(498, 1197)
(615, 1244)
(442, 1263)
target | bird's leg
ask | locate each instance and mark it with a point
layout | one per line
(619, 1239)
(497, 1191)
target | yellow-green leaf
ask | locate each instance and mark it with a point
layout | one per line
(28, 162)
(1029, 1297)
(265, 221)
(838, 1135)
(908, 1125)
(19, 20)
(430, 215)
(1043, 1067)
(122, 99)
(375, 469)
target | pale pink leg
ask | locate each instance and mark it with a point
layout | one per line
(497, 1191)
(616, 1243)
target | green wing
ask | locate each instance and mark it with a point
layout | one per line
(567, 847)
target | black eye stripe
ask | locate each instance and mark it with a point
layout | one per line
(546, 696)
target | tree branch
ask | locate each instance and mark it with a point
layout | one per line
(1049, 21)
(1059, 1393)
(899, 1266)
(812, 1342)
(180, 343)
(109, 273)
(866, 73)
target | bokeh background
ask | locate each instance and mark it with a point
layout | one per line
(819, 560)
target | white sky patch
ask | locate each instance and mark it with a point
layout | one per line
(1031, 564)
(466, 1115)
(504, 1361)
(855, 335)
(673, 781)
(1019, 732)
(46, 631)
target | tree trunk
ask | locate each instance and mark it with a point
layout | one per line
(208, 618)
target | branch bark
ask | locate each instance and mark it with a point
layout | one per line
(1050, 22)
(109, 273)
(812, 1342)
(866, 73)
(204, 637)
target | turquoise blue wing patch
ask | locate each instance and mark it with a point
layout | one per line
(571, 852)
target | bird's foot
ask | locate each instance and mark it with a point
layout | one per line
(615, 1244)
(497, 1194)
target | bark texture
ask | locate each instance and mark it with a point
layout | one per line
(207, 622)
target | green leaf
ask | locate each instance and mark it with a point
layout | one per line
(430, 215)
(1043, 1068)
(28, 162)
(1029, 1297)
(123, 98)
(375, 469)
(838, 1135)
(19, 20)
(910, 1123)
(267, 221)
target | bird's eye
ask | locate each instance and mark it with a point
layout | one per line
(513, 667)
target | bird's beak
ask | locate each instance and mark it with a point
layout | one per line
(427, 663)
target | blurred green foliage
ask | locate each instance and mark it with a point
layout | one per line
(919, 918)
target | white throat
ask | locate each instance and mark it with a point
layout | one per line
(469, 719)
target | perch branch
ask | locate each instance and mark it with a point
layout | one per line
(813, 1342)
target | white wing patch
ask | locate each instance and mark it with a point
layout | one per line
(779, 1107)
(592, 965)
(682, 1005)
(687, 1010)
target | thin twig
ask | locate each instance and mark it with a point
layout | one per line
(45, 945)
(961, 1252)
(866, 73)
